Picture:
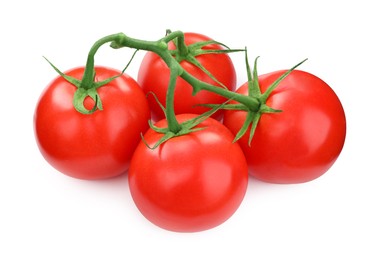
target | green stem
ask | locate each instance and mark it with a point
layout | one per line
(161, 49)
(89, 72)
(181, 46)
(173, 124)
(156, 47)
(250, 102)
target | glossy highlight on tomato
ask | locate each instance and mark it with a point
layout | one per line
(191, 182)
(94, 146)
(154, 74)
(303, 141)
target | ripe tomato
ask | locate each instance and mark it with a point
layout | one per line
(300, 143)
(191, 182)
(94, 146)
(154, 74)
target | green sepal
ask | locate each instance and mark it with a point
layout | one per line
(158, 102)
(195, 62)
(166, 137)
(196, 48)
(254, 89)
(255, 121)
(72, 80)
(81, 94)
(108, 80)
(264, 109)
(252, 119)
(269, 90)
(161, 130)
(190, 124)
(245, 126)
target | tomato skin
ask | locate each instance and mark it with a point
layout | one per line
(189, 183)
(95, 146)
(154, 74)
(303, 141)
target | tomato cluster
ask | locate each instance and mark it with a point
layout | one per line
(189, 171)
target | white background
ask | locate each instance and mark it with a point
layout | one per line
(46, 215)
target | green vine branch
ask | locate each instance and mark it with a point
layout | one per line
(253, 103)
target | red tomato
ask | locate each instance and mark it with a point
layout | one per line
(153, 76)
(300, 143)
(95, 146)
(191, 182)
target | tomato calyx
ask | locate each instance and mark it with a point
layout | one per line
(189, 53)
(84, 91)
(87, 86)
(174, 128)
(254, 113)
(185, 127)
(253, 117)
